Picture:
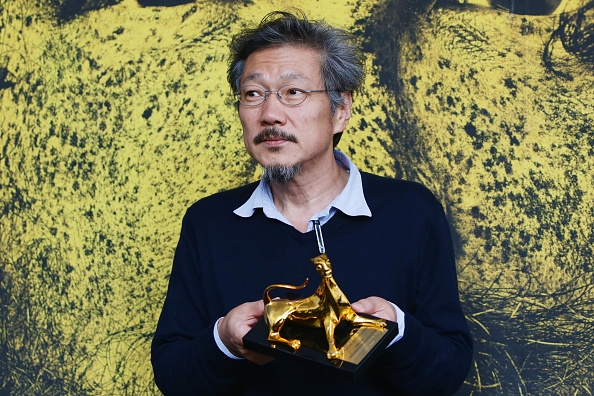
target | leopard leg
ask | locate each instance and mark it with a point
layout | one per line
(274, 335)
(330, 326)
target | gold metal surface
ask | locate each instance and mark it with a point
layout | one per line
(326, 309)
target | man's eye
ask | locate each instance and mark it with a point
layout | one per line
(253, 94)
(294, 92)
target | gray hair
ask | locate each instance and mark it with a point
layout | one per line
(342, 62)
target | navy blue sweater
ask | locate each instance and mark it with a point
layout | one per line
(403, 253)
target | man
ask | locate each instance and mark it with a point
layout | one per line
(388, 240)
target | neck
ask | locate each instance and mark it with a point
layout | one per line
(310, 192)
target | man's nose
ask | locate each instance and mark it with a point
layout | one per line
(273, 111)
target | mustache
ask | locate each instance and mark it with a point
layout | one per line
(274, 133)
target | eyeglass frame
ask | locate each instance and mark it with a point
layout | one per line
(278, 95)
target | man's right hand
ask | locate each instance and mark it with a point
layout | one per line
(236, 324)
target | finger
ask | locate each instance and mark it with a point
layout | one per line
(364, 306)
(252, 308)
(375, 306)
(252, 312)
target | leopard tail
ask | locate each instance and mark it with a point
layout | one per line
(267, 298)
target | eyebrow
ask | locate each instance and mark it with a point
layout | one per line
(286, 77)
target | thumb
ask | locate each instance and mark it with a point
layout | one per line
(360, 307)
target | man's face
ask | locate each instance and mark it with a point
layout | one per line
(279, 135)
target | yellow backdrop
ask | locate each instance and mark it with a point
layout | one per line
(117, 116)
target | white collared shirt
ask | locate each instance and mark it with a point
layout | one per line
(350, 201)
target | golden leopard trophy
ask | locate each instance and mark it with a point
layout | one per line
(326, 309)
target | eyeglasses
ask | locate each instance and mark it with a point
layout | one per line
(289, 95)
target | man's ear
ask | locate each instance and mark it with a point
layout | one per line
(342, 115)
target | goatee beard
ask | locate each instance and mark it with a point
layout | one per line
(281, 174)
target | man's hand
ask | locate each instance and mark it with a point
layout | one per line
(236, 324)
(375, 306)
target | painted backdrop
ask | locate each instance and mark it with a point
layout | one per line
(116, 116)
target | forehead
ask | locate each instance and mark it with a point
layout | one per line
(285, 64)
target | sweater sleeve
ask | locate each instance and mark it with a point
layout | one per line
(184, 355)
(435, 353)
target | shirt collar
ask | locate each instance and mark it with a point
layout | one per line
(351, 201)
